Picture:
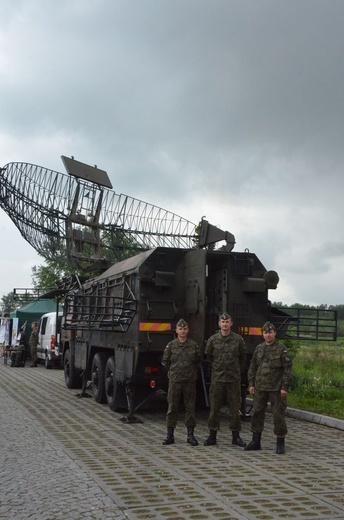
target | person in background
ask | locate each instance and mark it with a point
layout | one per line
(182, 358)
(226, 352)
(18, 352)
(269, 378)
(33, 342)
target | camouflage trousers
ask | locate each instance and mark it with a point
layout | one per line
(33, 352)
(219, 393)
(278, 407)
(175, 392)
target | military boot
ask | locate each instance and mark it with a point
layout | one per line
(237, 440)
(211, 440)
(191, 439)
(280, 449)
(169, 437)
(255, 442)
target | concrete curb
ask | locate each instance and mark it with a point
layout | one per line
(324, 420)
(302, 415)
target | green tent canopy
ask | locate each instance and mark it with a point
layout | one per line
(33, 311)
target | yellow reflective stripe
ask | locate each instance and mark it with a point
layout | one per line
(154, 327)
(251, 331)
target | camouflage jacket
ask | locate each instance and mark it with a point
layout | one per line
(227, 355)
(182, 360)
(271, 367)
(33, 339)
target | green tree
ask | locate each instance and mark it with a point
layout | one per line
(9, 303)
(116, 245)
(45, 277)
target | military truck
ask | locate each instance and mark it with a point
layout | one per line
(116, 325)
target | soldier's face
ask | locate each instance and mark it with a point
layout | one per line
(225, 325)
(269, 336)
(182, 332)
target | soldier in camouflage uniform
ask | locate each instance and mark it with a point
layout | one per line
(181, 358)
(269, 377)
(33, 341)
(226, 351)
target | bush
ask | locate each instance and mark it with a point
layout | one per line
(292, 346)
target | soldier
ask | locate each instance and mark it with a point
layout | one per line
(181, 358)
(18, 356)
(269, 377)
(226, 352)
(33, 341)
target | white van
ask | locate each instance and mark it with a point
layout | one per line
(49, 339)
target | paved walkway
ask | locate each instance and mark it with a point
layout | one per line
(38, 479)
(71, 458)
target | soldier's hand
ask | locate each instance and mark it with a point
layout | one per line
(284, 394)
(251, 390)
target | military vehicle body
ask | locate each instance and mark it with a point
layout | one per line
(117, 324)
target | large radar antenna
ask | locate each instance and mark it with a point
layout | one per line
(79, 215)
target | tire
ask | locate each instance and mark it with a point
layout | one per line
(46, 361)
(72, 378)
(114, 392)
(98, 377)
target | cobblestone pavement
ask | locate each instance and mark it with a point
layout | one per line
(71, 458)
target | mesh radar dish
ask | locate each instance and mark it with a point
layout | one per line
(79, 215)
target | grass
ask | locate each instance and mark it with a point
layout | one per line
(318, 382)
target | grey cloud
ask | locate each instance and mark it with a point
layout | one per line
(228, 109)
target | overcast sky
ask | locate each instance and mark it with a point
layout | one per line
(233, 110)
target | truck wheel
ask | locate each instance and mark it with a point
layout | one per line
(72, 378)
(114, 391)
(98, 377)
